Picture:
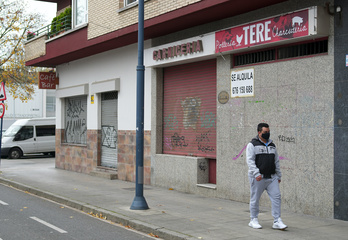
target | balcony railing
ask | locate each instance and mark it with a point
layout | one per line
(54, 29)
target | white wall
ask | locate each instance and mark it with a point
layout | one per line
(33, 108)
(120, 63)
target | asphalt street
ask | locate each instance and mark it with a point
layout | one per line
(24, 216)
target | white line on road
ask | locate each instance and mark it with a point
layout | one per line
(48, 225)
(3, 203)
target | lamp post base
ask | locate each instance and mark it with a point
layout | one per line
(139, 203)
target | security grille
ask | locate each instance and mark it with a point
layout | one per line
(109, 129)
(280, 53)
(109, 95)
(305, 49)
(255, 57)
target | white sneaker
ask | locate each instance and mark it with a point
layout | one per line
(278, 224)
(254, 223)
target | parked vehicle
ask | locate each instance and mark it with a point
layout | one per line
(26, 136)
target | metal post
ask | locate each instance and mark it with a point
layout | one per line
(139, 202)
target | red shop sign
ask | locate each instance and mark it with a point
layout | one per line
(48, 80)
(285, 27)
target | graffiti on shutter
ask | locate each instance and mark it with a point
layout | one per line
(189, 110)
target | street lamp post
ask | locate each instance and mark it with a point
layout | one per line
(139, 202)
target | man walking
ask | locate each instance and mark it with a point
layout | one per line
(264, 174)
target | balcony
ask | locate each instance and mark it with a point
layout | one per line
(36, 41)
(61, 42)
(54, 29)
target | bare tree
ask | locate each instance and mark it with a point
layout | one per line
(15, 25)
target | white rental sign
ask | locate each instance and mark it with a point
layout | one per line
(242, 83)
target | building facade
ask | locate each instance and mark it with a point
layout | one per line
(214, 70)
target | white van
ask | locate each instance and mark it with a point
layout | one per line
(25, 136)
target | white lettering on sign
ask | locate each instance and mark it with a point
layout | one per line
(47, 77)
(48, 85)
(257, 33)
(48, 80)
(280, 28)
(242, 83)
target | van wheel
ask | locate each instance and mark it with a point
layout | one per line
(15, 153)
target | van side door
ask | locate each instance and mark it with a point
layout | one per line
(46, 138)
(25, 139)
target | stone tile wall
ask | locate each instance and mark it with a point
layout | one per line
(85, 158)
(127, 156)
(78, 158)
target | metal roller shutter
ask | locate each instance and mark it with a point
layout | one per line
(109, 129)
(189, 109)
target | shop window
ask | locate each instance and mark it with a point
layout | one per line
(76, 120)
(280, 53)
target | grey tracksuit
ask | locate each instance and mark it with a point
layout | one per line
(262, 159)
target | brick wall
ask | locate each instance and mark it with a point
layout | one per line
(35, 48)
(127, 156)
(106, 16)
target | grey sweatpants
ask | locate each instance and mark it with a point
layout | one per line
(271, 185)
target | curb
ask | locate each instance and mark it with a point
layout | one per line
(111, 216)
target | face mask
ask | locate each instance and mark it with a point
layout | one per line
(265, 136)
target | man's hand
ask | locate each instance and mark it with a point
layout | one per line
(258, 178)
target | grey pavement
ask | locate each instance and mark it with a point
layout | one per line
(172, 214)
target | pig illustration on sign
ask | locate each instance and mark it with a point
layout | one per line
(297, 20)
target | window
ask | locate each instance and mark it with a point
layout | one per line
(80, 12)
(280, 53)
(44, 131)
(50, 106)
(127, 2)
(76, 120)
(25, 133)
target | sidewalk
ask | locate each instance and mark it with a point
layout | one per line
(172, 214)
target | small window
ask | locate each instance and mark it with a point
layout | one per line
(25, 133)
(128, 2)
(45, 131)
(50, 104)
